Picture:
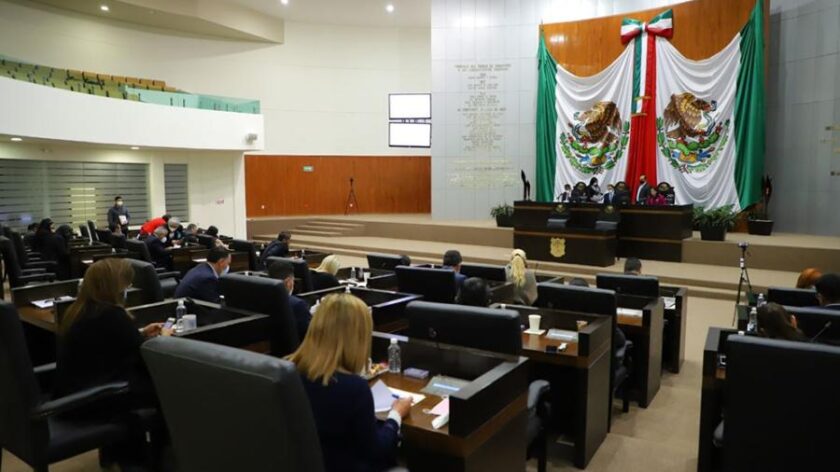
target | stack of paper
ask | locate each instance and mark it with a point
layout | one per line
(384, 396)
(562, 335)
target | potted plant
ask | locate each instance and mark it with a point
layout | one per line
(759, 221)
(714, 223)
(503, 214)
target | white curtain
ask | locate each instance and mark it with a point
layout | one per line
(696, 147)
(599, 132)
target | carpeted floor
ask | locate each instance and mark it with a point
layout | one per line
(662, 437)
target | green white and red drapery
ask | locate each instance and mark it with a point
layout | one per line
(698, 125)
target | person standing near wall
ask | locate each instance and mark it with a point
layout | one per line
(118, 216)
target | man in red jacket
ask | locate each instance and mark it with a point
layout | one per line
(150, 226)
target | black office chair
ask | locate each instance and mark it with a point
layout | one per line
(103, 235)
(17, 276)
(140, 251)
(436, 285)
(302, 272)
(206, 240)
(85, 231)
(156, 286)
(268, 297)
(387, 261)
(500, 331)
(29, 260)
(92, 230)
(117, 241)
(210, 394)
(32, 427)
(240, 245)
(792, 296)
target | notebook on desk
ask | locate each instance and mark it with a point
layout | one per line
(50, 302)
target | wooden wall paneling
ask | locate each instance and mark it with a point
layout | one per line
(277, 185)
(701, 29)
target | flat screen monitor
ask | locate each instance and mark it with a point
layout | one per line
(410, 106)
(637, 285)
(417, 135)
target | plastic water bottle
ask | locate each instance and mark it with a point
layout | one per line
(394, 360)
(761, 301)
(222, 300)
(180, 311)
(752, 324)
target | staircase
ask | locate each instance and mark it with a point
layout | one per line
(329, 228)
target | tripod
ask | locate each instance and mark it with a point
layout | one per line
(744, 279)
(352, 205)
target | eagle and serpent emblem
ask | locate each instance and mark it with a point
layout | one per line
(597, 138)
(689, 134)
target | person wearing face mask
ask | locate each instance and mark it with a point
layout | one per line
(644, 190)
(52, 247)
(202, 281)
(118, 216)
(285, 271)
(161, 257)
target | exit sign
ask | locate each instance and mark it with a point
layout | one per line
(309, 168)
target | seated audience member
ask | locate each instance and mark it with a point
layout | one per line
(334, 351)
(285, 271)
(29, 235)
(578, 282)
(828, 291)
(524, 280)
(633, 266)
(474, 292)
(452, 260)
(156, 243)
(277, 248)
(150, 226)
(190, 234)
(776, 323)
(808, 277)
(655, 198)
(213, 232)
(202, 281)
(176, 231)
(52, 247)
(100, 342)
(324, 275)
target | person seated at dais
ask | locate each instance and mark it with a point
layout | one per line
(474, 292)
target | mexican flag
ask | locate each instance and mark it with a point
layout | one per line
(710, 121)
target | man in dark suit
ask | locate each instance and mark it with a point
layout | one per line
(610, 195)
(285, 271)
(828, 291)
(452, 260)
(202, 281)
(643, 191)
(161, 257)
(277, 248)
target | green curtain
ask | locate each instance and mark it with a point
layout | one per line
(546, 124)
(750, 111)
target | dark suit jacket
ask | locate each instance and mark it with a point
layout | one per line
(200, 283)
(160, 256)
(352, 440)
(301, 314)
(459, 278)
(322, 280)
(642, 193)
(274, 249)
(608, 198)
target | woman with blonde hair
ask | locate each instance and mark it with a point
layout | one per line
(324, 275)
(98, 340)
(336, 348)
(524, 280)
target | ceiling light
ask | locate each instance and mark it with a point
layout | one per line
(17, 140)
(389, 8)
(104, 8)
(135, 148)
(284, 2)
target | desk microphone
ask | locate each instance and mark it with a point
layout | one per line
(827, 325)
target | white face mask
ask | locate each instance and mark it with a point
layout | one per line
(120, 203)
(163, 239)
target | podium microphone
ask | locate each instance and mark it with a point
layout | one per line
(827, 325)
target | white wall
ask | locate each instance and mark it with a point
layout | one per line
(324, 91)
(216, 179)
(503, 34)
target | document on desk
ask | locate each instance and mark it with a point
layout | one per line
(670, 302)
(562, 335)
(384, 396)
(50, 302)
(630, 312)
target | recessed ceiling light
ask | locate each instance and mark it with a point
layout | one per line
(284, 2)
(134, 148)
(389, 8)
(104, 8)
(17, 140)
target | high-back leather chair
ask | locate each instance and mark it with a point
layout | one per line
(302, 272)
(485, 271)
(387, 261)
(266, 296)
(17, 276)
(211, 394)
(85, 231)
(33, 429)
(155, 286)
(792, 296)
(240, 245)
(26, 262)
(206, 240)
(782, 411)
(820, 324)
(139, 249)
(573, 298)
(117, 241)
(92, 230)
(460, 325)
(436, 285)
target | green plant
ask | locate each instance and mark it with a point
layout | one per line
(501, 210)
(718, 217)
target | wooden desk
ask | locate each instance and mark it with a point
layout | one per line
(184, 258)
(646, 232)
(581, 245)
(646, 334)
(86, 252)
(313, 258)
(380, 279)
(487, 418)
(580, 376)
(387, 308)
(673, 337)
